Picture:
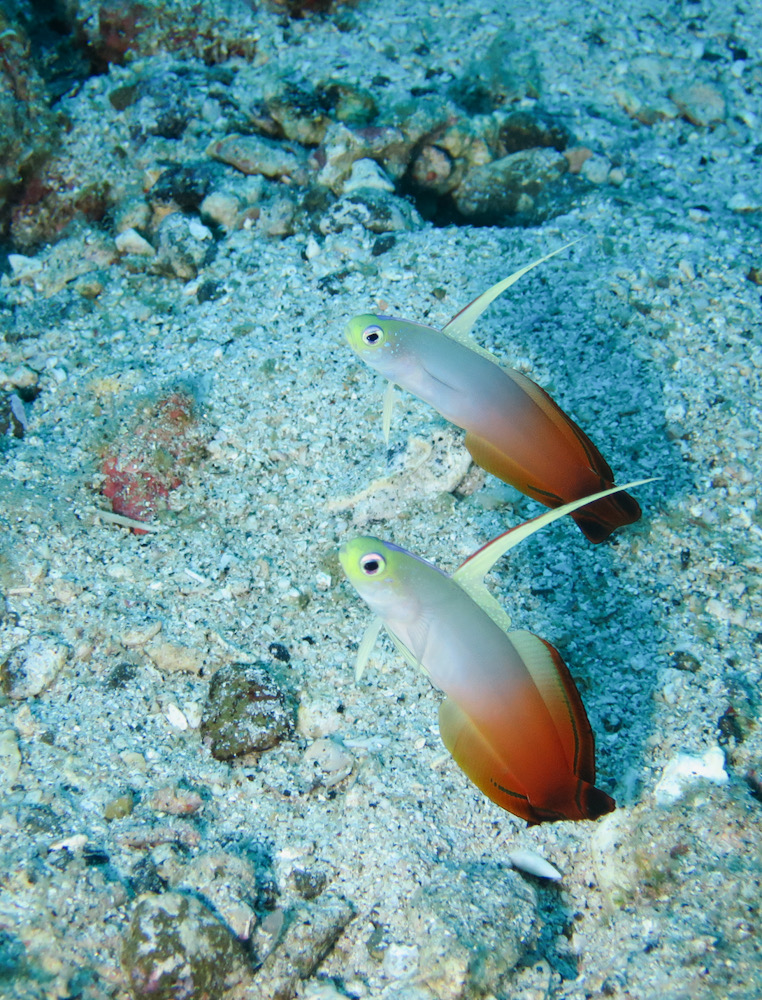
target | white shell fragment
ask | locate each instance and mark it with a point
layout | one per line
(684, 769)
(175, 717)
(74, 843)
(533, 864)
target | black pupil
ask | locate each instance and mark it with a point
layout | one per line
(371, 566)
(371, 336)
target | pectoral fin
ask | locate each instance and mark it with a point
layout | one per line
(386, 419)
(365, 648)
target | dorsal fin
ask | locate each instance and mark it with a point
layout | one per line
(572, 431)
(559, 692)
(462, 322)
(470, 574)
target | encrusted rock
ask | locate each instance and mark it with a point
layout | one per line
(376, 210)
(31, 668)
(433, 169)
(473, 926)
(311, 932)
(342, 146)
(367, 174)
(176, 947)
(184, 186)
(514, 186)
(183, 247)
(28, 128)
(234, 886)
(529, 130)
(247, 711)
(254, 154)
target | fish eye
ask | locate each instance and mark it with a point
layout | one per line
(371, 335)
(372, 564)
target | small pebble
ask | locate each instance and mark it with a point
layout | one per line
(130, 241)
(10, 759)
(31, 668)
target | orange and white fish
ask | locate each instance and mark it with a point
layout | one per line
(513, 428)
(512, 718)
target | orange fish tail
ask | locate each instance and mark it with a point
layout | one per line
(599, 519)
(593, 802)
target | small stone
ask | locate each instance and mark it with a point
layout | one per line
(342, 147)
(135, 637)
(180, 253)
(367, 174)
(175, 717)
(744, 204)
(176, 947)
(233, 886)
(171, 659)
(222, 208)
(253, 154)
(376, 210)
(311, 933)
(519, 185)
(699, 103)
(130, 241)
(119, 807)
(10, 759)
(246, 711)
(433, 170)
(309, 882)
(23, 377)
(176, 801)
(594, 168)
(475, 924)
(31, 668)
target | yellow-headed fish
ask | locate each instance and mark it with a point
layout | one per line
(513, 719)
(513, 428)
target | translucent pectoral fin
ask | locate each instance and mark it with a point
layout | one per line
(462, 322)
(476, 567)
(386, 420)
(365, 648)
(477, 759)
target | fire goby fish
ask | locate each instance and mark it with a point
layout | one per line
(512, 718)
(513, 428)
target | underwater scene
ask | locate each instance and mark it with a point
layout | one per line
(380, 540)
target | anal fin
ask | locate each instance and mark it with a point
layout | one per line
(474, 756)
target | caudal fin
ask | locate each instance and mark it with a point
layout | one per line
(593, 802)
(599, 519)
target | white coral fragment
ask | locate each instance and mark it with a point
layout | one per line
(684, 770)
